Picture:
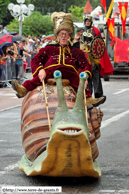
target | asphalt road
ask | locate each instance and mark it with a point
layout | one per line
(113, 147)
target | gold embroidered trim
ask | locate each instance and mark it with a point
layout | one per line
(37, 69)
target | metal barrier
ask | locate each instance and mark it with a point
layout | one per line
(28, 59)
(12, 70)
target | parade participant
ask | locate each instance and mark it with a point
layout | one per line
(62, 55)
(100, 67)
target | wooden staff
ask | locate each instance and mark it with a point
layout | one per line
(85, 106)
(106, 38)
(46, 105)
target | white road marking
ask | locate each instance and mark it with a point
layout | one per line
(10, 108)
(13, 121)
(14, 97)
(107, 191)
(7, 94)
(122, 90)
(115, 118)
(103, 124)
(9, 168)
(2, 140)
(9, 132)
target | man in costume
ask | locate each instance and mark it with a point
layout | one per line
(63, 55)
(100, 67)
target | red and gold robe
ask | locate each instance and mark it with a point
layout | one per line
(55, 57)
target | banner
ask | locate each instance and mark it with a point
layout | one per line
(121, 50)
(103, 3)
(111, 28)
(123, 13)
(109, 7)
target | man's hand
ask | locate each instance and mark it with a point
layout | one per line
(14, 60)
(14, 44)
(28, 55)
(42, 74)
(86, 83)
(31, 52)
(77, 37)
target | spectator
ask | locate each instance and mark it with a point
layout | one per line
(31, 47)
(1, 53)
(39, 37)
(45, 42)
(37, 45)
(21, 53)
(3, 63)
(24, 42)
(14, 48)
(21, 50)
(5, 30)
(7, 54)
(43, 37)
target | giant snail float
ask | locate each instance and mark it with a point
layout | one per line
(69, 148)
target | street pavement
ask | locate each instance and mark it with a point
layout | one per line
(113, 146)
(8, 99)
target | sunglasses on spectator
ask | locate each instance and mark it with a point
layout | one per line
(65, 34)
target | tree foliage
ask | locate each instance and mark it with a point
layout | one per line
(49, 6)
(76, 12)
(33, 25)
(5, 16)
(46, 6)
(95, 3)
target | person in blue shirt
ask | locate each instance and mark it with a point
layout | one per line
(5, 30)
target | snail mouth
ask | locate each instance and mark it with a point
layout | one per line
(70, 130)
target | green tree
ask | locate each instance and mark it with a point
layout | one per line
(33, 25)
(77, 13)
(44, 7)
(4, 13)
(95, 3)
(50, 6)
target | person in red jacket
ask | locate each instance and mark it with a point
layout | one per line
(63, 55)
(100, 67)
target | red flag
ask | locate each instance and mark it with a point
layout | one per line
(123, 13)
(111, 28)
(103, 3)
(108, 6)
(121, 50)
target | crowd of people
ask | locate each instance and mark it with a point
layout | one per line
(25, 49)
